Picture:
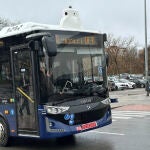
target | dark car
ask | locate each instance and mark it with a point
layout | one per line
(140, 83)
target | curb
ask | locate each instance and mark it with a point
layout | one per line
(118, 106)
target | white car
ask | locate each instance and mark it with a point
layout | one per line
(131, 85)
(120, 85)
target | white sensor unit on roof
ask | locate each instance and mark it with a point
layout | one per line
(70, 19)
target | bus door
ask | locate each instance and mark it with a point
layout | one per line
(23, 84)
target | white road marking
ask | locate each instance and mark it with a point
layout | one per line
(121, 117)
(113, 120)
(129, 114)
(111, 133)
(132, 112)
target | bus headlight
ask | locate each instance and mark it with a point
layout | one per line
(56, 109)
(106, 101)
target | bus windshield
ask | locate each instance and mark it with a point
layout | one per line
(76, 70)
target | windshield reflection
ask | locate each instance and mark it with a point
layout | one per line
(73, 72)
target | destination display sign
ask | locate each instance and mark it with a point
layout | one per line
(91, 40)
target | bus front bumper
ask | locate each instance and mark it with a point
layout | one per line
(57, 129)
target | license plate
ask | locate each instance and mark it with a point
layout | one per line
(87, 126)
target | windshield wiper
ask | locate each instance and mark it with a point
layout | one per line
(61, 98)
(90, 89)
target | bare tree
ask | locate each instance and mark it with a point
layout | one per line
(5, 22)
(122, 53)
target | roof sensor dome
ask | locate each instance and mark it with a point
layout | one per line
(70, 19)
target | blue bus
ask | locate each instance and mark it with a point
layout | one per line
(53, 80)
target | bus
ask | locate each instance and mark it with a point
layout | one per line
(53, 80)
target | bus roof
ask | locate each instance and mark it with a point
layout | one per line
(31, 26)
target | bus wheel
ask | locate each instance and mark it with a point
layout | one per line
(4, 134)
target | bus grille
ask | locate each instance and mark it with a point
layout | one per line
(82, 117)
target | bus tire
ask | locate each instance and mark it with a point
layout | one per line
(4, 133)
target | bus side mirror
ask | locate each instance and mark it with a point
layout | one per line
(34, 45)
(49, 43)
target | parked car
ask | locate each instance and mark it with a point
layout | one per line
(112, 78)
(125, 75)
(119, 85)
(140, 83)
(143, 81)
(131, 85)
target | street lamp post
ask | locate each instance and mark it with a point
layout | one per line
(146, 50)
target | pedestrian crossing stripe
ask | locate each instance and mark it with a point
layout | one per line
(135, 115)
(121, 117)
(113, 120)
(129, 114)
(130, 111)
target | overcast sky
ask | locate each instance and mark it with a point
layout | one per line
(123, 18)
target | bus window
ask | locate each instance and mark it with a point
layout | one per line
(5, 76)
(5, 80)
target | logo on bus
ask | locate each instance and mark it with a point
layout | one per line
(86, 100)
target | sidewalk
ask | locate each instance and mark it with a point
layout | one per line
(130, 97)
